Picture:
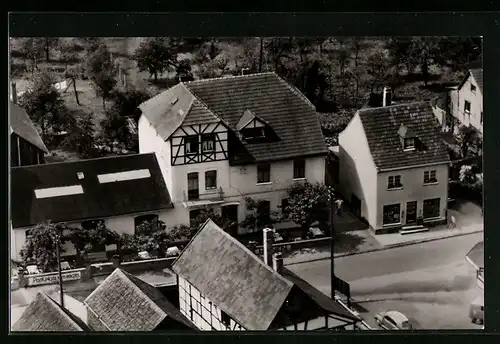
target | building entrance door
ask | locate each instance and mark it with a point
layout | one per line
(411, 213)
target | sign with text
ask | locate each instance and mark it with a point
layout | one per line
(53, 278)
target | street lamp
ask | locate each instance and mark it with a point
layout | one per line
(58, 254)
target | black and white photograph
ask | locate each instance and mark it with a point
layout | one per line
(189, 184)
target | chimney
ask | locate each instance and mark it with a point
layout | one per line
(278, 262)
(245, 71)
(268, 246)
(13, 90)
(386, 96)
(116, 260)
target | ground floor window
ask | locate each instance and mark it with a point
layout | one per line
(392, 214)
(193, 215)
(432, 208)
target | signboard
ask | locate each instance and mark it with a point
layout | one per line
(53, 278)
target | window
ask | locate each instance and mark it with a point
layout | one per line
(409, 143)
(299, 169)
(263, 173)
(253, 133)
(193, 215)
(394, 182)
(430, 177)
(392, 214)
(431, 208)
(151, 218)
(467, 107)
(208, 143)
(191, 145)
(472, 88)
(210, 180)
(284, 207)
(225, 318)
(193, 188)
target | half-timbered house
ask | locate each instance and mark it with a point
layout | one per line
(223, 286)
(221, 140)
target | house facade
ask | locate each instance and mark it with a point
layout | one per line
(394, 167)
(466, 101)
(221, 140)
(122, 192)
(225, 287)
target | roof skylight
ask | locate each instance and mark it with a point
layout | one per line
(123, 176)
(59, 191)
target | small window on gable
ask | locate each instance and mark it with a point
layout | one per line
(409, 143)
(208, 143)
(472, 88)
(191, 145)
(467, 107)
(225, 318)
(253, 133)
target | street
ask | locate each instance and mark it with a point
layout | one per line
(431, 283)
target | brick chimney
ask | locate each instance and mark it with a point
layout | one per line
(13, 90)
(278, 262)
(387, 96)
(268, 246)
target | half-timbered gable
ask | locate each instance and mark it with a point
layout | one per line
(225, 286)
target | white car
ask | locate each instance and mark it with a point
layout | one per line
(393, 320)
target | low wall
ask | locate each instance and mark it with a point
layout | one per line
(51, 277)
(293, 245)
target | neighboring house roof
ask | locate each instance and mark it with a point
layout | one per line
(98, 200)
(21, 125)
(239, 282)
(123, 302)
(477, 74)
(287, 112)
(44, 314)
(476, 255)
(381, 127)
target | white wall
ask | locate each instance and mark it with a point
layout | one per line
(413, 190)
(357, 171)
(458, 97)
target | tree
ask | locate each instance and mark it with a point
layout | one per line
(126, 101)
(44, 105)
(116, 132)
(102, 71)
(257, 216)
(41, 246)
(48, 44)
(33, 50)
(208, 213)
(151, 236)
(377, 68)
(156, 55)
(308, 203)
(467, 137)
(278, 48)
(81, 137)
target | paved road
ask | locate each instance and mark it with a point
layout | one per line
(431, 283)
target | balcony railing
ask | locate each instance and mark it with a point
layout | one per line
(211, 195)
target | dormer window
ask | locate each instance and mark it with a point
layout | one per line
(253, 133)
(409, 143)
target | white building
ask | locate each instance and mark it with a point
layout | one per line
(466, 101)
(221, 140)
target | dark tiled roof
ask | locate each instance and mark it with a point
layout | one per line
(232, 277)
(476, 254)
(291, 116)
(381, 127)
(21, 125)
(97, 201)
(44, 314)
(125, 303)
(478, 76)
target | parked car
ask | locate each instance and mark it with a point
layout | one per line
(144, 255)
(32, 270)
(278, 237)
(315, 233)
(393, 320)
(476, 310)
(173, 251)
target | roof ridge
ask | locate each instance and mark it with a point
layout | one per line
(394, 106)
(61, 310)
(206, 106)
(226, 77)
(295, 90)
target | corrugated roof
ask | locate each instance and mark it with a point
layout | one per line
(44, 314)
(97, 200)
(232, 277)
(381, 126)
(123, 302)
(21, 124)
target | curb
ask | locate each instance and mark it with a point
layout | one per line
(387, 247)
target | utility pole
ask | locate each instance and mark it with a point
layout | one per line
(58, 242)
(332, 246)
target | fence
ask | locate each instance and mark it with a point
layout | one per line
(292, 245)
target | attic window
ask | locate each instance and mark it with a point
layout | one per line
(409, 143)
(59, 191)
(253, 133)
(80, 175)
(472, 88)
(123, 176)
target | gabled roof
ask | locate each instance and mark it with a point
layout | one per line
(406, 132)
(476, 255)
(232, 277)
(98, 200)
(281, 106)
(123, 302)
(241, 284)
(246, 118)
(381, 127)
(477, 74)
(44, 314)
(21, 125)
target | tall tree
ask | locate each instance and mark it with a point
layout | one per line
(102, 71)
(41, 246)
(81, 137)
(157, 55)
(467, 137)
(44, 104)
(50, 43)
(278, 48)
(33, 50)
